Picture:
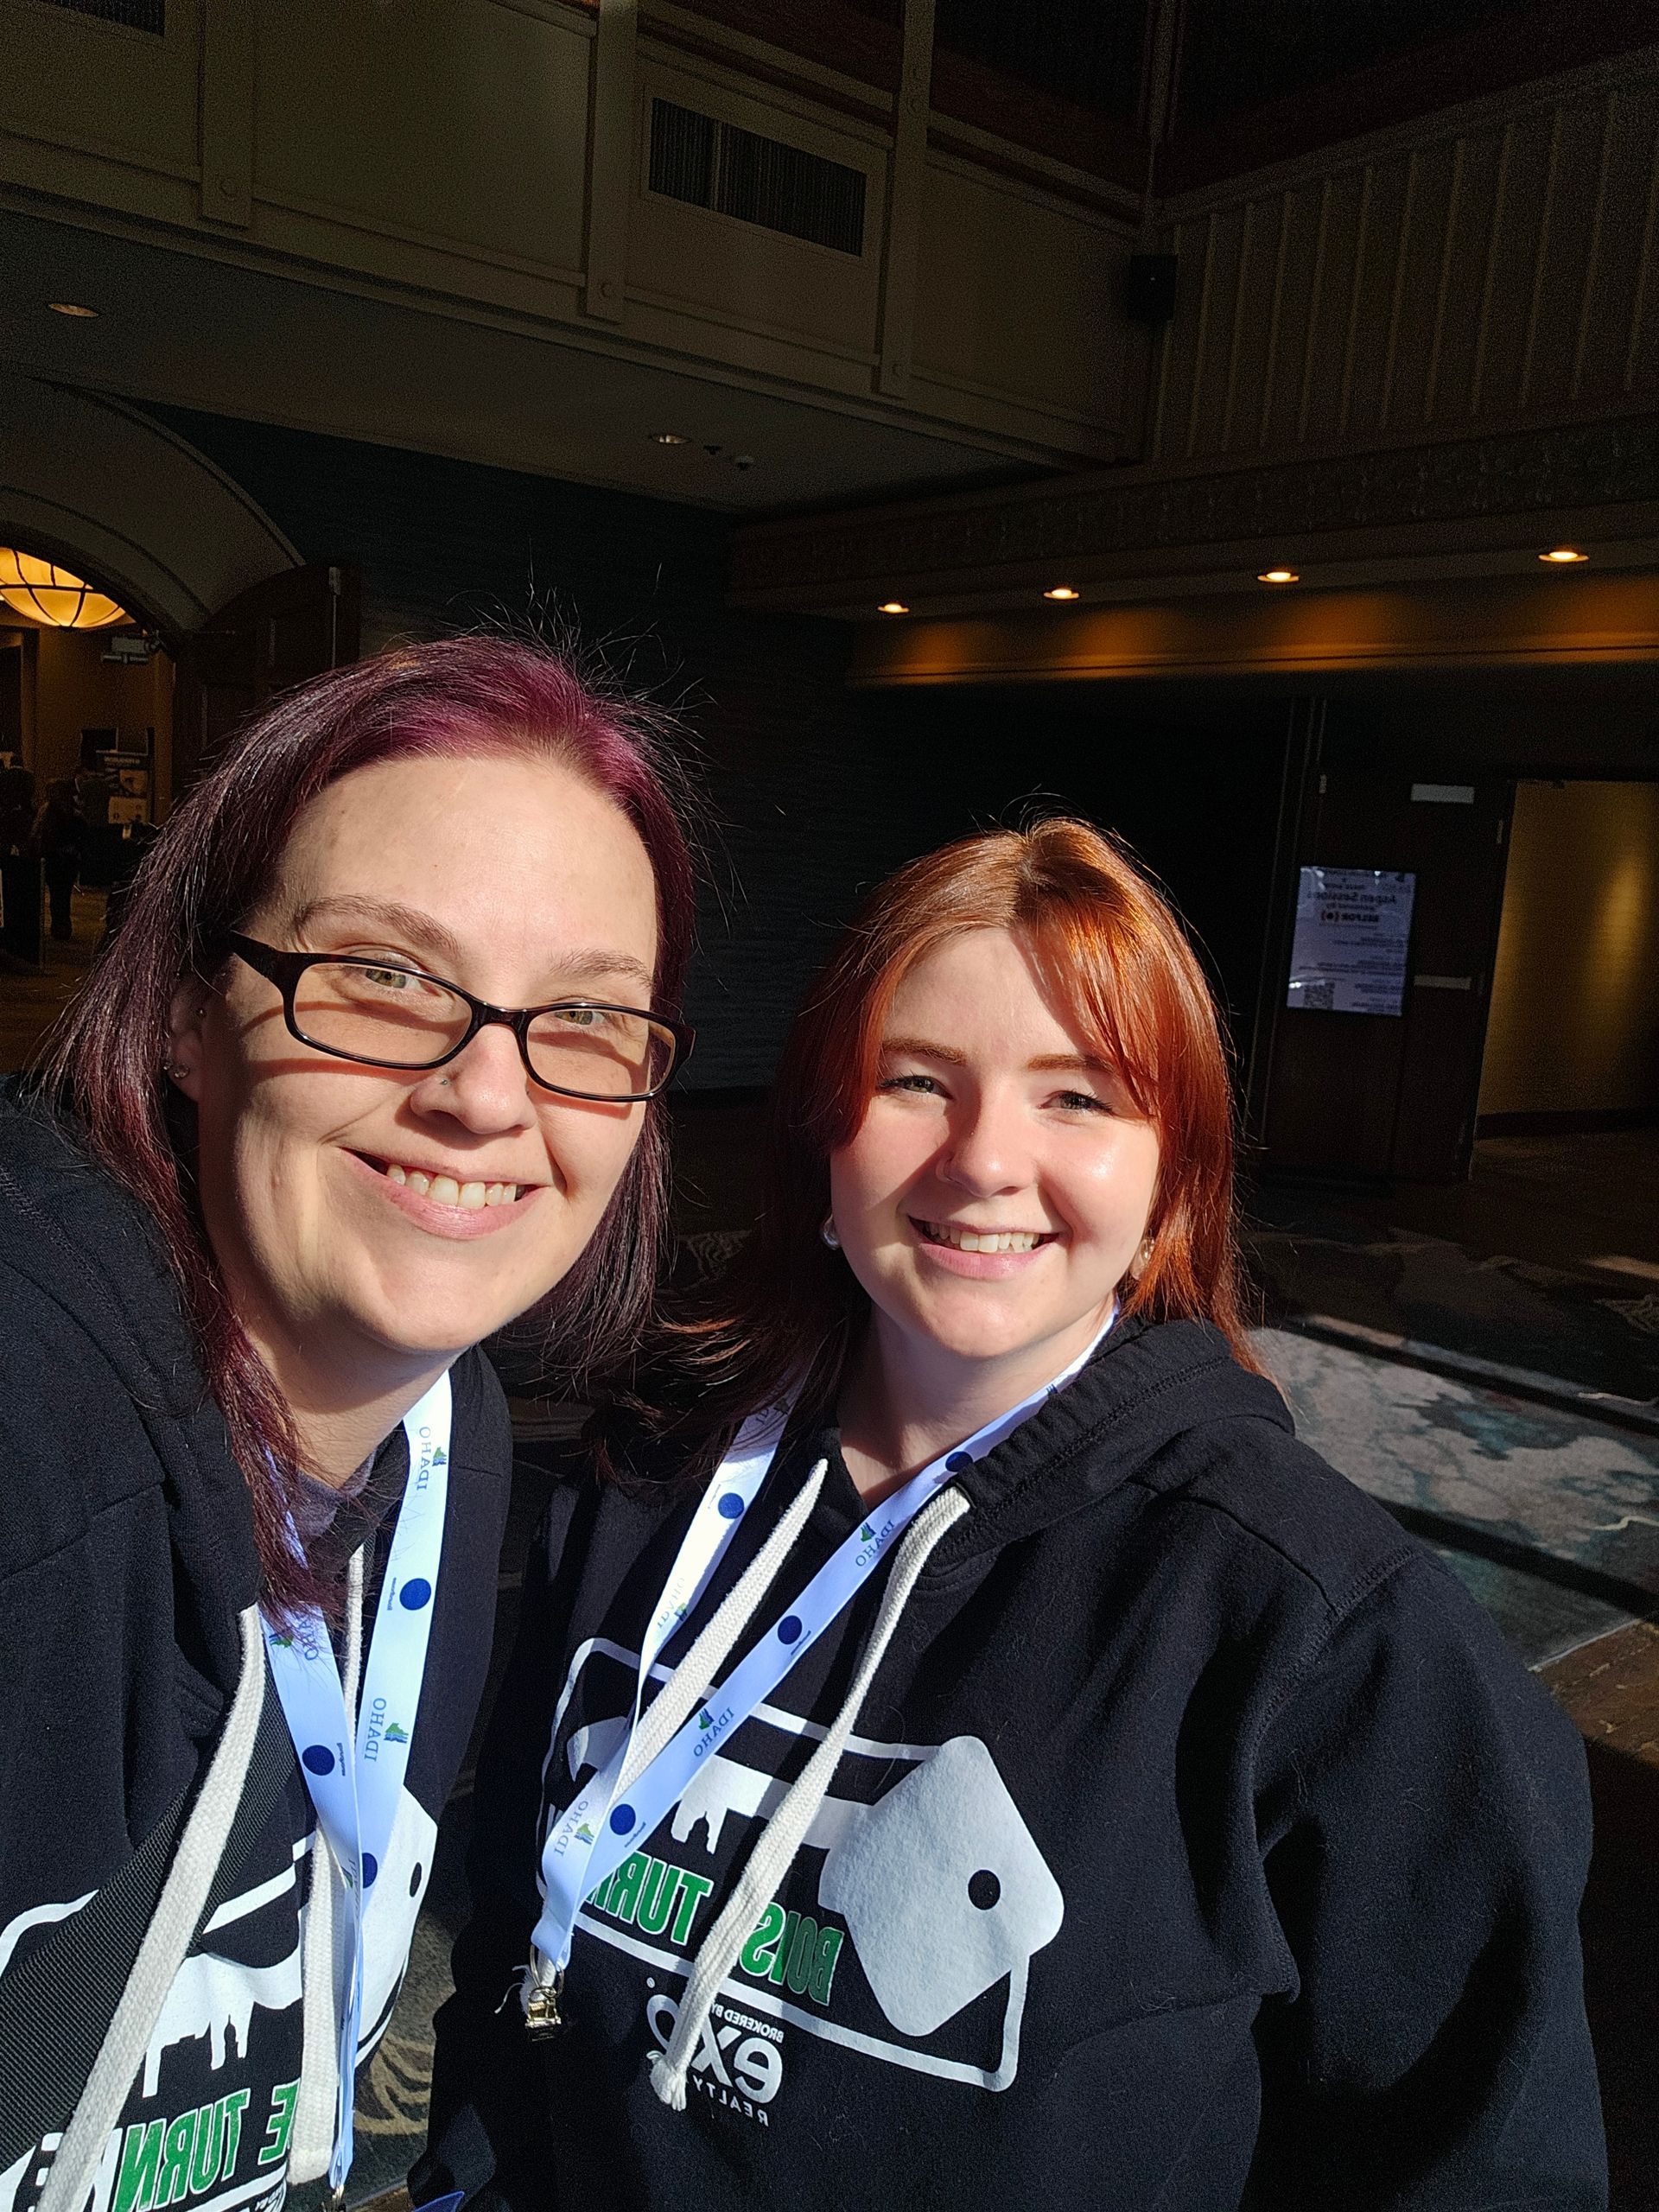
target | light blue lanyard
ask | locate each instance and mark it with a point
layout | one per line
(597, 1830)
(357, 1793)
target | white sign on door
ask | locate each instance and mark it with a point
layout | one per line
(1353, 926)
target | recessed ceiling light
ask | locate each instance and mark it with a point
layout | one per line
(1563, 554)
(70, 307)
(892, 606)
(1061, 591)
(668, 438)
(1278, 577)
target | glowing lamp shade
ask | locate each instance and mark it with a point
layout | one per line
(1564, 555)
(1278, 577)
(892, 606)
(45, 593)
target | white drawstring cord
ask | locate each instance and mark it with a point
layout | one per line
(690, 1679)
(786, 1830)
(74, 2168)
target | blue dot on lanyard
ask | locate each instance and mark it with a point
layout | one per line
(789, 1630)
(622, 1819)
(319, 1758)
(960, 1463)
(415, 1594)
(371, 1868)
(731, 1507)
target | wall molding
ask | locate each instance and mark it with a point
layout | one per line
(840, 563)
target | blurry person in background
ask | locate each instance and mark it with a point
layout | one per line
(979, 1757)
(56, 841)
(374, 1064)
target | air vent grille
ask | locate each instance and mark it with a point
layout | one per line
(136, 15)
(712, 164)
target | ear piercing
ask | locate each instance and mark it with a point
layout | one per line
(1142, 1261)
(828, 1233)
(177, 1071)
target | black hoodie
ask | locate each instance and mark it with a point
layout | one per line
(1200, 1846)
(126, 1557)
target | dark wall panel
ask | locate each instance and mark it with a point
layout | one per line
(817, 792)
(802, 802)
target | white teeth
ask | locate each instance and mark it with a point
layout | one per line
(448, 1191)
(969, 1240)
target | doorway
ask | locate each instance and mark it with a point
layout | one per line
(1377, 981)
(86, 745)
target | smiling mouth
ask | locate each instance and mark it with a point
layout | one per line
(472, 1196)
(981, 1240)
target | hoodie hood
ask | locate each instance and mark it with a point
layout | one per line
(67, 1228)
(1146, 1388)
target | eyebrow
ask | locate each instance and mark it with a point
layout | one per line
(1044, 1063)
(585, 967)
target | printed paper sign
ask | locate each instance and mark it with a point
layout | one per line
(1353, 926)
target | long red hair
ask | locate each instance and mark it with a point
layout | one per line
(209, 867)
(1112, 956)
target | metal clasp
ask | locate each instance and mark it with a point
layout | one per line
(542, 2015)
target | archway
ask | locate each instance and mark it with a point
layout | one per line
(89, 480)
(219, 598)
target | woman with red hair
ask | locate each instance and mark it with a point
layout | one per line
(976, 1757)
(365, 1073)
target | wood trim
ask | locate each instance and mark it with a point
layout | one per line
(1400, 629)
(610, 160)
(902, 224)
(226, 112)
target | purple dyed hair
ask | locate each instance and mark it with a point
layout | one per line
(209, 868)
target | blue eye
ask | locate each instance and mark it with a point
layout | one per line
(1084, 1101)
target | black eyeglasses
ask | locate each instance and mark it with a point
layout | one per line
(383, 1015)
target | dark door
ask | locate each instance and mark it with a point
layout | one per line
(1375, 1095)
(293, 626)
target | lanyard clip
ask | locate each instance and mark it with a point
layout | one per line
(543, 2018)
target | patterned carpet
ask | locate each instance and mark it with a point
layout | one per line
(1550, 1517)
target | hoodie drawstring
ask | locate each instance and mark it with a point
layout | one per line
(785, 1831)
(74, 2169)
(690, 1679)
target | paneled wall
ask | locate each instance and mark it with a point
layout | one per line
(491, 157)
(1461, 274)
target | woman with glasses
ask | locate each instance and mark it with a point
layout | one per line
(981, 1759)
(372, 1067)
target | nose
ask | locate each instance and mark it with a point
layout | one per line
(987, 1151)
(486, 1088)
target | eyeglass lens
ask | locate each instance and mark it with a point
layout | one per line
(401, 1020)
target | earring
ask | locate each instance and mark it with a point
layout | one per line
(1142, 1261)
(828, 1233)
(177, 1073)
